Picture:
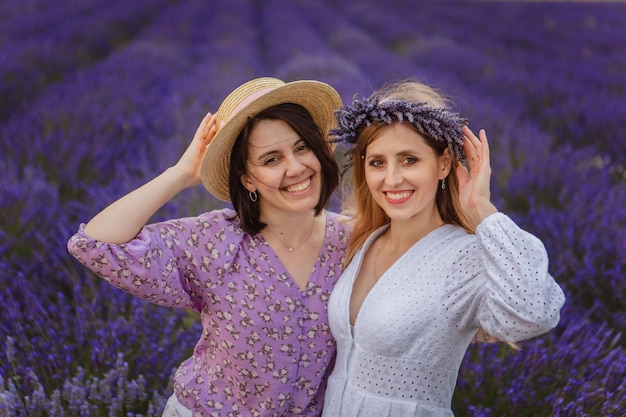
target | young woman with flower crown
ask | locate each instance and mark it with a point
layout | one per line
(432, 263)
(260, 275)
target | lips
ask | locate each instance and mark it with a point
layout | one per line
(299, 187)
(398, 196)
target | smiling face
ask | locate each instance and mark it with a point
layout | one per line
(403, 172)
(282, 169)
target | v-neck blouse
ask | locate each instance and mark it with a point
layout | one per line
(402, 356)
(266, 348)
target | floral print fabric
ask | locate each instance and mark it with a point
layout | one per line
(266, 347)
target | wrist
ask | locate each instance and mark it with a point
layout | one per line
(180, 179)
(482, 211)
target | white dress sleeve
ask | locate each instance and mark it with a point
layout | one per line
(520, 299)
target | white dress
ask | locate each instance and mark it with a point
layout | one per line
(403, 355)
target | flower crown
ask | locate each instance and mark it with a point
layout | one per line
(437, 123)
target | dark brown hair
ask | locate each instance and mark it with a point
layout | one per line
(300, 120)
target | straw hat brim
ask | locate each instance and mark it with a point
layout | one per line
(319, 98)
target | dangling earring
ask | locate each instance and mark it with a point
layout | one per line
(443, 184)
(253, 196)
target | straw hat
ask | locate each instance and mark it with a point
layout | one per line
(247, 101)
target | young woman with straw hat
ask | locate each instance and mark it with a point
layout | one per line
(259, 275)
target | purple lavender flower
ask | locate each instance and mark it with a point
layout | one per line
(99, 97)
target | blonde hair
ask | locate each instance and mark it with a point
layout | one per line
(366, 215)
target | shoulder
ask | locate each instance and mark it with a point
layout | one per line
(217, 223)
(339, 219)
(223, 219)
(220, 214)
(451, 236)
(448, 246)
(338, 225)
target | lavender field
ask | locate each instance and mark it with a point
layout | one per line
(97, 97)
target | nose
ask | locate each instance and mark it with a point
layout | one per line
(295, 166)
(393, 175)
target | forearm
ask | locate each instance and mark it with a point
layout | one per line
(121, 221)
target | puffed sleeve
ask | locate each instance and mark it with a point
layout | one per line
(148, 266)
(520, 299)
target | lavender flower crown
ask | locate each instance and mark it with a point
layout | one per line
(437, 123)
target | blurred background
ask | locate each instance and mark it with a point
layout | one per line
(97, 97)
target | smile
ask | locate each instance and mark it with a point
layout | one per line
(398, 196)
(296, 188)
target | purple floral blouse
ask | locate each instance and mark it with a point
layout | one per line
(266, 348)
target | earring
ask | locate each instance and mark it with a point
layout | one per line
(443, 184)
(253, 196)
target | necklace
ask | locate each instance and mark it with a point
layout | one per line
(287, 245)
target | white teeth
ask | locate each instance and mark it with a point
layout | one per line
(299, 187)
(398, 196)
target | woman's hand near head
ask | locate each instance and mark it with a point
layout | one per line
(188, 166)
(474, 189)
(121, 221)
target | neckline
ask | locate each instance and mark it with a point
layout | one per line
(381, 281)
(283, 269)
(286, 244)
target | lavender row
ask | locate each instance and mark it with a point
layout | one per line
(105, 129)
(578, 371)
(43, 45)
(571, 59)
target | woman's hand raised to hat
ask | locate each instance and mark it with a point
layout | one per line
(189, 163)
(474, 190)
(123, 219)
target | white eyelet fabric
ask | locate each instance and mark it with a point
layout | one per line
(403, 355)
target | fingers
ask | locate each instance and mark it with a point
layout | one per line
(485, 144)
(475, 148)
(462, 175)
(211, 130)
(206, 130)
(475, 192)
(208, 122)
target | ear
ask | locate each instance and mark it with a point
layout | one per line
(247, 184)
(445, 163)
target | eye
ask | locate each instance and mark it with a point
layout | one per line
(302, 146)
(270, 160)
(376, 163)
(409, 160)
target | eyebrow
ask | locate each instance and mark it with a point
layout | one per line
(400, 153)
